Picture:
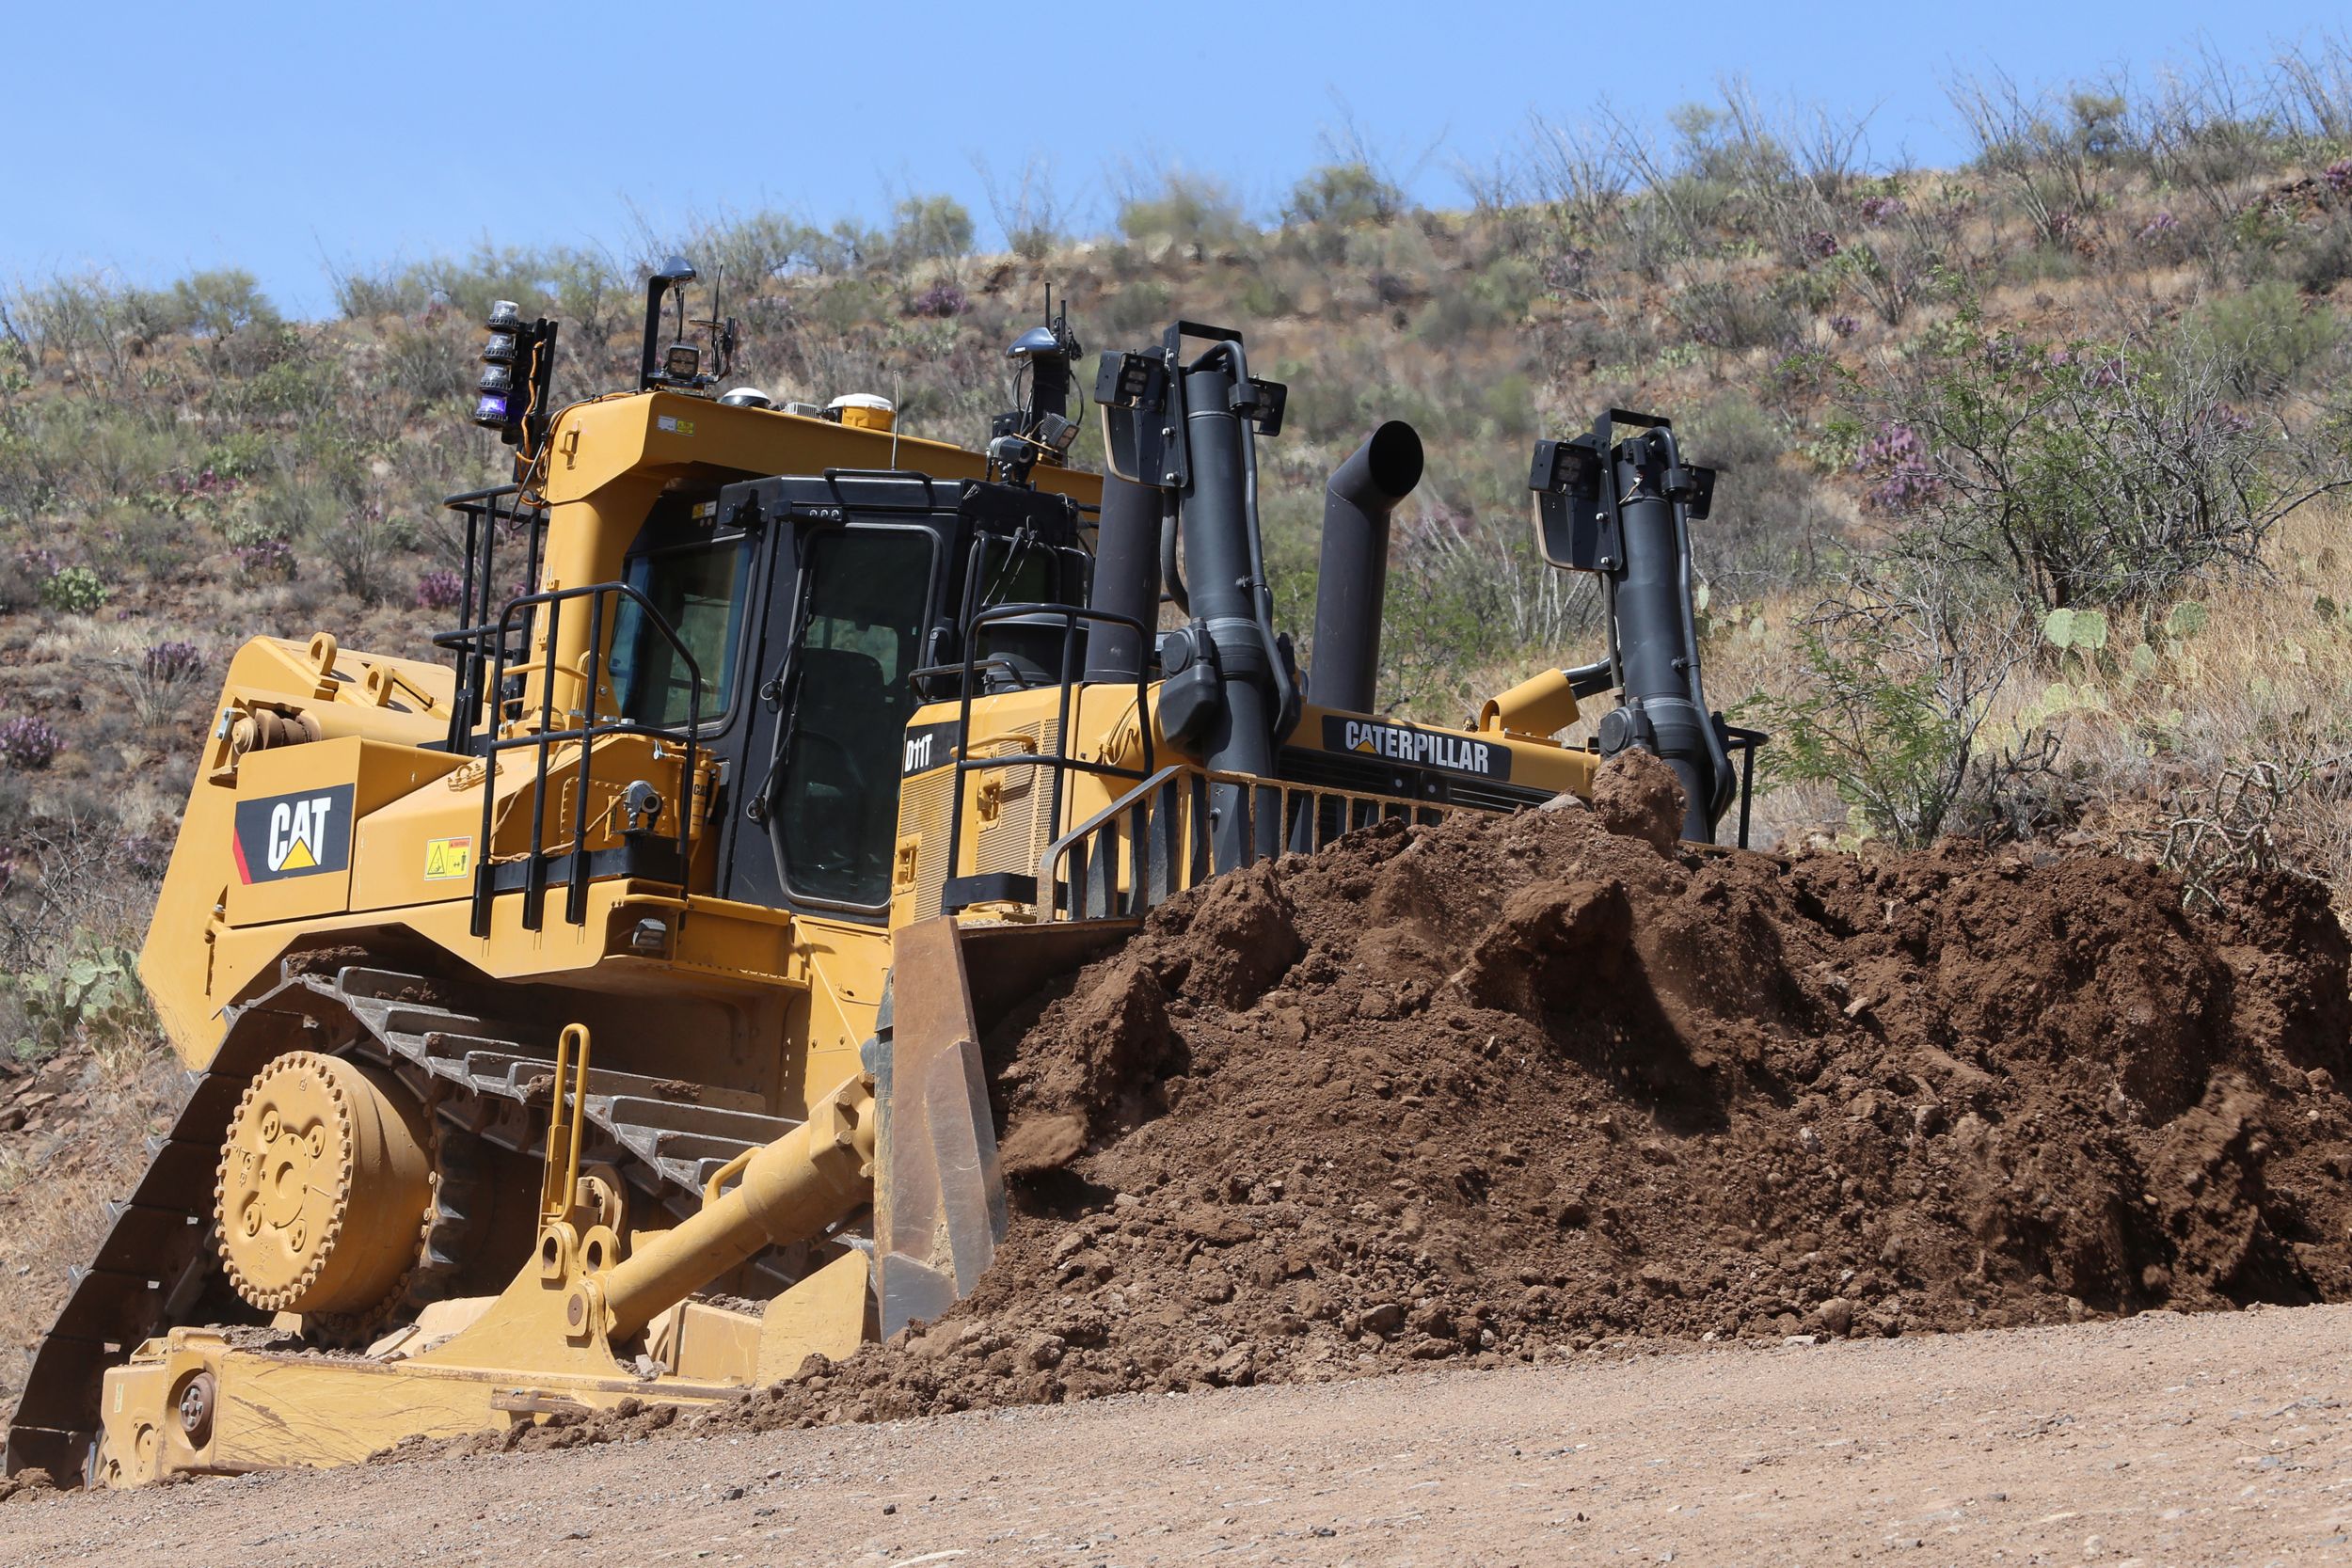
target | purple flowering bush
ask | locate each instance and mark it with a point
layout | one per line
(440, 589)
(174, 662)
(942, 300)
(1895, 462)
(27, 744)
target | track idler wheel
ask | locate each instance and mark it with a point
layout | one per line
(326, 1188)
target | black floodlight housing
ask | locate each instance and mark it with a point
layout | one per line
(1130, 380)
(681, 362)
(511, 396)
(1570, 524)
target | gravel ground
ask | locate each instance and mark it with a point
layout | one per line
(2160, 1439)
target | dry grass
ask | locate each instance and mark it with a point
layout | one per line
(83, 1143)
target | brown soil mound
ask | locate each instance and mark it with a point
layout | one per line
(1509, 1087)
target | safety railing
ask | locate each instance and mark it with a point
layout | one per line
(1746, 743)
(1159, 838)
(960, 890)
(582, 727)
(489, 515)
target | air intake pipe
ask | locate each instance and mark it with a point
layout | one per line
(1621, 509)
(1664, 706)
(1188, 431)
(1126, 581)
(1352, 581)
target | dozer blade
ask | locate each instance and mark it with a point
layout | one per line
(939, 1195)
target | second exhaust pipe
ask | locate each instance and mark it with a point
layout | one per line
(1352, 581)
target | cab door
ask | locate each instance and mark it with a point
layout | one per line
(818, 831)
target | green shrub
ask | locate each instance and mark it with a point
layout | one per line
(220, 304)
(2079, 474)
(1773, 524)
(2262, 338)
(929, 228)
(1137, 307)
(76, 590)
(1189, 208)
(1344, 196)
(1892, 680)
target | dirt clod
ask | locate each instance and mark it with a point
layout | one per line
(1638, 795)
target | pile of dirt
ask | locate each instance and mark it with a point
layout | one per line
(1507, 1087)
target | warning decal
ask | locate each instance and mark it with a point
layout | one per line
(447, 859)
(293, 835)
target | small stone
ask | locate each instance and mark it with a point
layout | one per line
(1385, 1318)
(1836, 1316)
(1809, 1140)
(2321, 1080)
(1799, 1341)
(1236, 1368)
(890, 1508)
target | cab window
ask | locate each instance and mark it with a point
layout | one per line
(836, 805)
(698, 590)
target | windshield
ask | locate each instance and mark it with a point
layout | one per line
(838, 794)
(697, 590)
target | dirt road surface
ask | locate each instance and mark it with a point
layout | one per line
(2160, 1439)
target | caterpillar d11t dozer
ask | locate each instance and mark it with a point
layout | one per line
(592, 1013)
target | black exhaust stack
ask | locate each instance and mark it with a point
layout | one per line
(1352, 581)
(1623, 510)
(1228, 691)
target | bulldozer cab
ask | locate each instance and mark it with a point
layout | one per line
(821, 611)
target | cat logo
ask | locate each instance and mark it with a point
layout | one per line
(293, 835)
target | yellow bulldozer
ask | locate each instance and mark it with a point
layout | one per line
(593, 1011)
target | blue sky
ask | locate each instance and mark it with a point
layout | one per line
(153, 140)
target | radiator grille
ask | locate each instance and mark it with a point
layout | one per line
(1011, 842)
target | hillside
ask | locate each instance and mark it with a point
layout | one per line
(2027, 528)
